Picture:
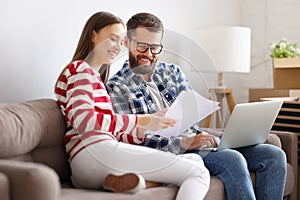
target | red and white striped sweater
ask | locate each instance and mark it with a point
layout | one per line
(88, 111)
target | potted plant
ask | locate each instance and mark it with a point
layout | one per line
(285, 54)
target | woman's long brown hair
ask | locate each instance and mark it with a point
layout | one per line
(85, 45)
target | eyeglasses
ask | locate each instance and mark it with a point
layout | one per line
(142, 47)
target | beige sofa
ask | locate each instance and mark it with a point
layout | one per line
(33, 163)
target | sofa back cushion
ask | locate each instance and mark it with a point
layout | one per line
(34, 131)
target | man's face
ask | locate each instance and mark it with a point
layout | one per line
(143, 48)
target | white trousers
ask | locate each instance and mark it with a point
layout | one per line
(93, 164)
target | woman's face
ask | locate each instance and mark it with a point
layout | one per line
(107, 43)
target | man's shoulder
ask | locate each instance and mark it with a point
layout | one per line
(119, 78)
(168, 69)
(165, 66)
(116, 78)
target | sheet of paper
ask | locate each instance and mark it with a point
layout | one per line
(188, 108)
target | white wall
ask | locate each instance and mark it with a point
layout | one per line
(270, 21)
(38, 38)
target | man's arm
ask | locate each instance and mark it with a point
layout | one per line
(119, 98)
(159, 142)
(179, 78)
(126, 102)
(120, 101)
(179, 145)
(183, 84)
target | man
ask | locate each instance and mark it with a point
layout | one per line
(145, 86)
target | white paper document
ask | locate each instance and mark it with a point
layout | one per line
(188, 108)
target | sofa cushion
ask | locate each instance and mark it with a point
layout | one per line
(20, 130)
(4, 187)
(273, 139)
(34, 131)
(31, 181)
(162, 193)
(216, 189)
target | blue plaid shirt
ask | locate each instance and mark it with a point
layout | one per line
(129, 94)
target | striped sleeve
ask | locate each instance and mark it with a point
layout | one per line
(87, 106)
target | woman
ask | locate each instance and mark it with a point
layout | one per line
(95, 133)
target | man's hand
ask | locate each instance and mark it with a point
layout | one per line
(197, 141)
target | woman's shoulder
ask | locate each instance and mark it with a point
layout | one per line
(76, 65)
(79, 66)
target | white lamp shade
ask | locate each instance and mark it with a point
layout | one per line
(228, 46)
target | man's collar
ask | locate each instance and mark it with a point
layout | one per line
(129, 73)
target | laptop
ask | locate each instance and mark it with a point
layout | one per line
(249, 124)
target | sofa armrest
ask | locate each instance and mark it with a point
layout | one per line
(289, 143)
(4, 187)
(31, 181)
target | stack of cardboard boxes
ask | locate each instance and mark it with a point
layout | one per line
(286, 73)
(286, 76)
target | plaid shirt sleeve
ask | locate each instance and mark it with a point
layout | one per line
(158, 142)
(119, 98)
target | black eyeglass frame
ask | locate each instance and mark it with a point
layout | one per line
(149, 46)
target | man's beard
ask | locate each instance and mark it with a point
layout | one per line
(141, 68)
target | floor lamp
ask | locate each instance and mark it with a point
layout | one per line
(229, 48)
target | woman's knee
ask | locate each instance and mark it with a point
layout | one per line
(200, 174)
(193, 170)
(201, 171)
(193, 157)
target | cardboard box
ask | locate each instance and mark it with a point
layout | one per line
(286, 63)
(295, 93)
(286, 78)
(260, 94)
(286, 73)
(257, 94)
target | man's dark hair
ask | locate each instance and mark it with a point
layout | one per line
(146, 20)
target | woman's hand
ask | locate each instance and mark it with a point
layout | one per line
(155, 121)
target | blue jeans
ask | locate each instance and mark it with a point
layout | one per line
(268, 162)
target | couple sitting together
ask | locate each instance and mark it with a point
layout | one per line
(107, 119)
